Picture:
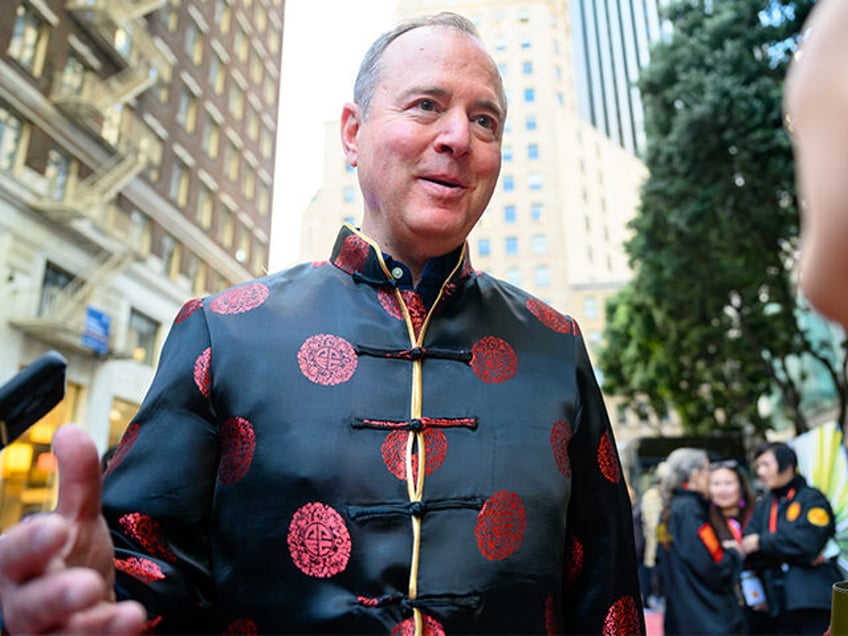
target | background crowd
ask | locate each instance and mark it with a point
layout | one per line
(728, 547)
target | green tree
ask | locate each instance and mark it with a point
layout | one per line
(712, 321)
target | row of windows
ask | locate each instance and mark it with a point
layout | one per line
(538, 245)
(532, 152)
(541, 276)
(534, 182)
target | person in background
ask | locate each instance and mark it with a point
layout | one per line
(651, 508)
(699, 571)
(732, 502)
(816, 110)
(786, 540)
(388, 441)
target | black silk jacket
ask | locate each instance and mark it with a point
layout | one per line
(318, 452)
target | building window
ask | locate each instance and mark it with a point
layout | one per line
(249, 186)
(223, 13)
(243, 251)
(273, 41)
(534, 181)
(266, 143)
(54, 281)
(211, 137)
(513, 276)
(178, 190)
(170, 257)
(257, 70)
(236, 102)
(536, 211)
(507, 153)
(28, 46)
(484, 247)
(205, 206)
(227, 229)
(216, 73)
(529, 95)
(139, 230)
(263, 199)
(512, 245)
(590, 307)
(525, 43)
(533, 151)
(232, 161)
(527, 68)
(10, 136)
(241, 45)
(194, 43)
(530, 122)
(252, 123)
(141, 337)
(187, 110)
(542, 276)
(72, 75)
(57, 171)
(508, 183)
(349, 194)
(509, 214)
(539, 244)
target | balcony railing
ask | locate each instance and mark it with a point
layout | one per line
(117, 25)
(94, 95)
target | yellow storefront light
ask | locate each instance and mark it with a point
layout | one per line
(17, 458)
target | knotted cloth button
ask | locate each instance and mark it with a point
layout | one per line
(416, 353)
(417, 508)
(416, 426)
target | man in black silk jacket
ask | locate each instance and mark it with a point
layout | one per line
(385, 442)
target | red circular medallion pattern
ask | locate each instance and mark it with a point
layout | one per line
(493, 360)
(319, 541)
(394, 452)
(574, 559)
(326, 359)
(241, 627)
(203, 372)
(144, 570)
(124, 446)
(352, 255)
(560, 437)
(238, 442)
(548, 316)
(240, 299)
(550, 617)
(607, 460)
(622, 618)
(145, 530)
(500, 525)
(188, 309)
(432, 627)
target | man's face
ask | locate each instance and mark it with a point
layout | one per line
(766, 468)
(428, 150)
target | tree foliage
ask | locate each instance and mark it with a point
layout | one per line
(711, 321)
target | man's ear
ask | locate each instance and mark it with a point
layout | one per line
(351, 120)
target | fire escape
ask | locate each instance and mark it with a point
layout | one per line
(103, 107)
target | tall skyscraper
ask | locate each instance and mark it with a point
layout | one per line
(137, 142)
(612, 40)
(557, 222)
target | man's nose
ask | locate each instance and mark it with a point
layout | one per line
(454, 134)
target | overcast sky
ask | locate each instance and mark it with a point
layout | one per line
(323, 43)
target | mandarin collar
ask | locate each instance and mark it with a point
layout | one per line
(358, 255)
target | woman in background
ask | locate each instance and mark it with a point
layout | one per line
(732, 502)
(698, 571)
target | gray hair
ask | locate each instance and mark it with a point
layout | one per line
(369, 69)
(679, 465)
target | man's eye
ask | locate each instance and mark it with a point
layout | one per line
(427, 104)
(486, 121)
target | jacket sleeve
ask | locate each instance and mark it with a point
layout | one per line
(159, 486)
(803, 532)
(700, 549)
(601, 583)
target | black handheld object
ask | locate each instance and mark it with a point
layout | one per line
(30, 395)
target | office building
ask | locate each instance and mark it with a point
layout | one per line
(137, 142)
